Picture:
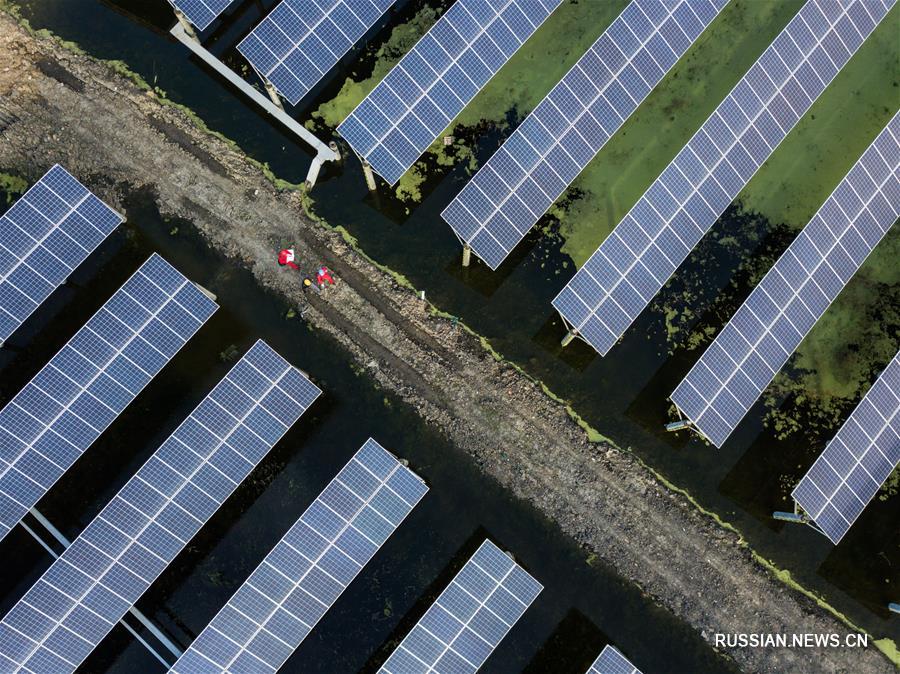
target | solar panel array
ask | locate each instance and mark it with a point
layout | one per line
(301, 40)
(610, 661)
(470, 618)
(857, 461)
(44, 236)
(653, 239)
(85, 592)
(87, 384)
(431, 85)
(565, 131)
(201, 13)
(283, 599)
(769, 326)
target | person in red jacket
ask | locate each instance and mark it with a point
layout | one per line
(286, 257)
(324, 276)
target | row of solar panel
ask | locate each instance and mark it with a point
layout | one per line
(300, 41)
(290, 591)
(858, 461)
(655, 237)
(431, 85)
(794, 294)
(516, 187)
(91, 586)
(44, 237)
(611, 661)
(87, 384)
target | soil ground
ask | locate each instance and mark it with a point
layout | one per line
(115, 136)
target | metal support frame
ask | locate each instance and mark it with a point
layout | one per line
(324, 153)
(571, 332)
(140, 617)
(369, 174)
(680, 425)
(183, 20)
(683, 423)
(273, 93)
(797, 517)
(467, 255)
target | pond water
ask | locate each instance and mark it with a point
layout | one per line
(623, 395)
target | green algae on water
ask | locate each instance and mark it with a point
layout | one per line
(13, 186)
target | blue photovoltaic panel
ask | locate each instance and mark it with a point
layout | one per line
(100, 576)
(44, 236)
(857, 461)
(301, 40)
(567, 129)
(653, 239)
(764, 332)
(610, 661)
(87, 384)
(280, 603)
(470, 618)
(201, 13)
(431, 85)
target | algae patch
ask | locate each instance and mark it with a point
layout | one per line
(13, 186)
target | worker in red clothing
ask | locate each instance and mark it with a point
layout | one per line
(324, 276)
(286, 257)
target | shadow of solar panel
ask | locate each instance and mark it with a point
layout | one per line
(470, 617)
(431, 85)
(857, 461)
(87, 384)
(300, 41)
(610, 661)
(653, 239)
(744, 358)
(301, 578)
(201, 13)
(44, 236)
(530, 171)
(85, 592)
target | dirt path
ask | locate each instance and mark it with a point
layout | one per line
(111, 133)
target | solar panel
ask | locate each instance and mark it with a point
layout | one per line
(85, 592)
(769, 326)
(566, 130)
(283, 599)
(87, 384)
(610, 661)
(300, 41)
(201, 13)
(44, 236)
(857, 461)
(653, 239)
(470, 618)
(431, 85)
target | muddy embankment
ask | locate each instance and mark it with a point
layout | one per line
(112, 134)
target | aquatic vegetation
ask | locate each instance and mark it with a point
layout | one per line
(12, 186)
(402, 38)
(858, 333)
(647, 142)
(519, 85)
